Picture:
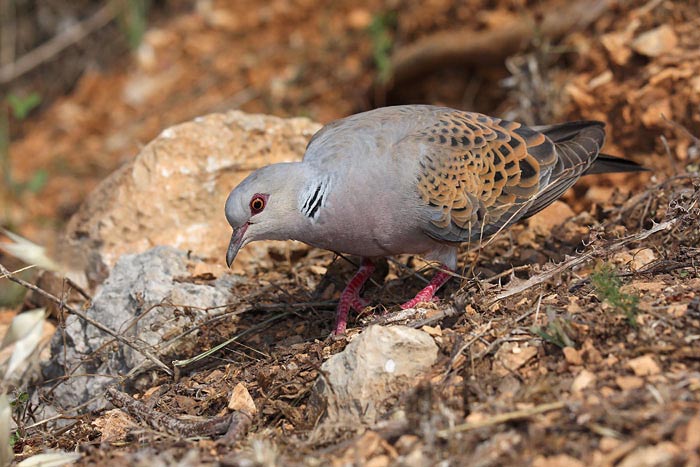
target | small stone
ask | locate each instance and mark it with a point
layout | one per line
(406, 443)
(378, 461)
(359, 18)
(662, 454)
(433, 331)
(656, 113)
(511, 356)
(550, 217)
(641, 258)
(656, 42)
(241, 401)
(584, 379)
(608, 443)
(114, 425)
(572, 356)
(616, 45)
(692, 434)
(644, 366)
(317, 269)
(560, 460)
(629, 382)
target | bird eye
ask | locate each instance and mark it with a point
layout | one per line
(257, 204)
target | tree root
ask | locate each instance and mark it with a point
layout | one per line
(466, 46)
(233, 426)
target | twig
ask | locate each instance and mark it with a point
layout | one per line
(233, 425)
(561, 267)
(445, 312)
(78, 288)
(46, 51)
(8, 31)
(507, 272)
(61, 304)
(17, 271)
(258, 327)
(682, 129)
(503, 418)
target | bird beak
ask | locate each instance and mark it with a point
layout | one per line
(235, 244)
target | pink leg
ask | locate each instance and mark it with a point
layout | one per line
(350, 298)
(427, 294)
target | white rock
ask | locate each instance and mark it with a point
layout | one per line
(379, 363)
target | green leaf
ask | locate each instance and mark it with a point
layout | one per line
(38, 181)
(21, 106)
(382, 43)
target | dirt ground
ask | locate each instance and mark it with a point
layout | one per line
(570, 343)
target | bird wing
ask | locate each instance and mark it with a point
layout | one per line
(479, 174)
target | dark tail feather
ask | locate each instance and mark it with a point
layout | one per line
(560, 132)
(563, 132)
(610, 164)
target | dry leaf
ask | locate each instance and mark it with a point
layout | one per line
(629, 382)
(644, 366)
(241, 401)
(584, 379)
(656, 42)
(572, 356)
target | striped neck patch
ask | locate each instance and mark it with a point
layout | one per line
(313, 198)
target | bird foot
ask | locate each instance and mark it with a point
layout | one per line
(428, 293)
(350, 298)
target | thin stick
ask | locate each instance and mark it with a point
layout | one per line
(78, 288)
(50, 49)
(140, 349)
(216, 348)
(17, 271)
(503, 418)
(565, 265)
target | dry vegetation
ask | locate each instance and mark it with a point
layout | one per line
(567, 343)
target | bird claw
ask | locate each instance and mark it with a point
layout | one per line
(358, 303)
(418, 300)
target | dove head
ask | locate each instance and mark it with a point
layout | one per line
(264, 206)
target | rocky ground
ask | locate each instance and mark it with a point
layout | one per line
(570, 339)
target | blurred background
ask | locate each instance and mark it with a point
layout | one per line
(86, 83)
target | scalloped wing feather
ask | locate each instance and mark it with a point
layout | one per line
(480, 174)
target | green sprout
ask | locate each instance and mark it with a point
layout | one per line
(608, 288)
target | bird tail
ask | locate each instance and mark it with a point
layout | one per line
(605, 163)
(590, 129)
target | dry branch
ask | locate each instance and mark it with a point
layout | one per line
(233, 425)
(50, 49)
(492, 46)
(503, 418)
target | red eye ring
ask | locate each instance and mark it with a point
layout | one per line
(257, 203)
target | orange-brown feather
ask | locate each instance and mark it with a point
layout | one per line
(483, 167)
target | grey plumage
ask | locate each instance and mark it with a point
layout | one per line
(415, 179)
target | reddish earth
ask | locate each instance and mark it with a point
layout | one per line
(629, 380)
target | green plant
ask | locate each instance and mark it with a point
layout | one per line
(556, 332)
(134, 20)
(22, 105)
(382, 43)
(19, 408)
(608, 287)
